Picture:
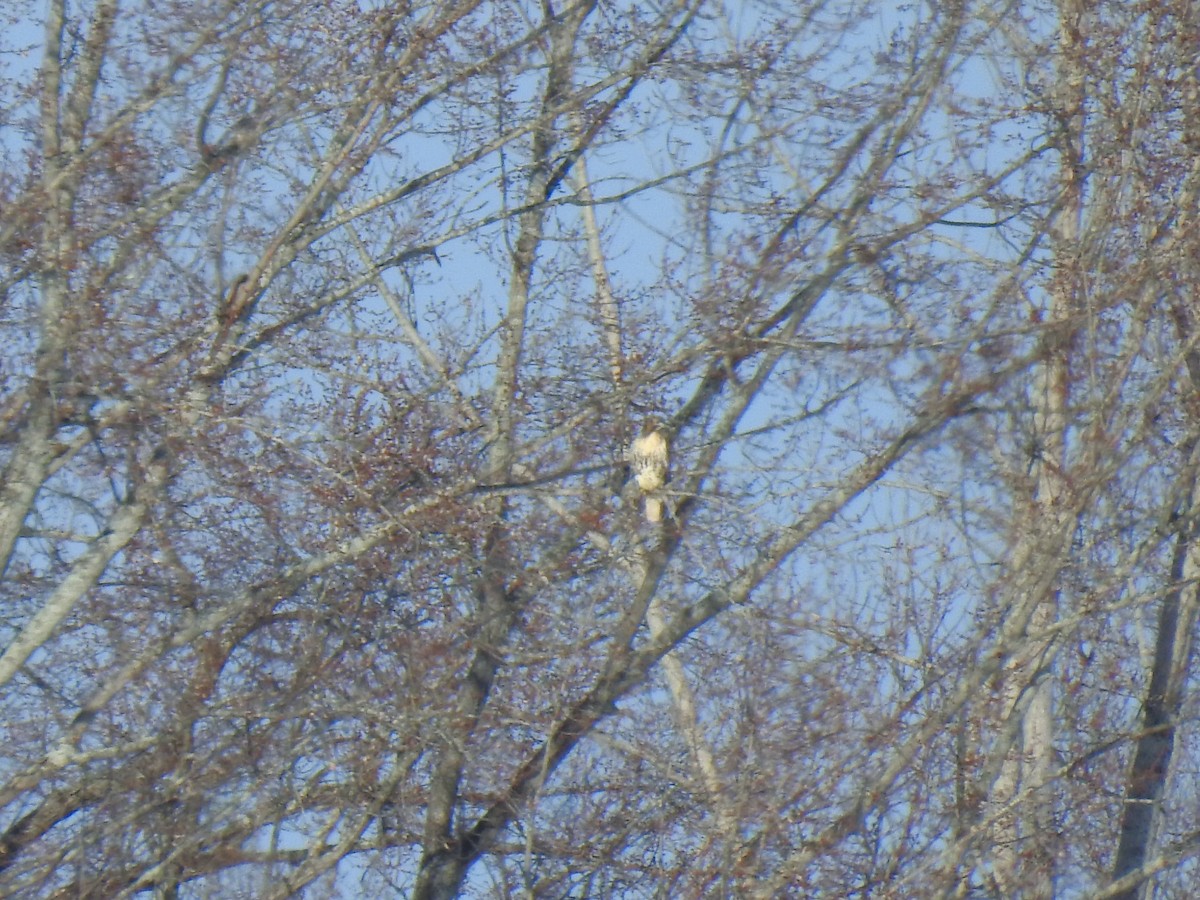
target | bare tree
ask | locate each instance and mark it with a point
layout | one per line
(327, 328)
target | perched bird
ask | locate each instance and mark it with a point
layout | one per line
(649, 458)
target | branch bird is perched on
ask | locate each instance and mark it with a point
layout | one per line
(649, 458)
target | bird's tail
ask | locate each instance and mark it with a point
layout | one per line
(654, 509)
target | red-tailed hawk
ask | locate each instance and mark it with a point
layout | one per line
(649, 458)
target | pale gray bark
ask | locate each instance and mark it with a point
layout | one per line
(1021, 798)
